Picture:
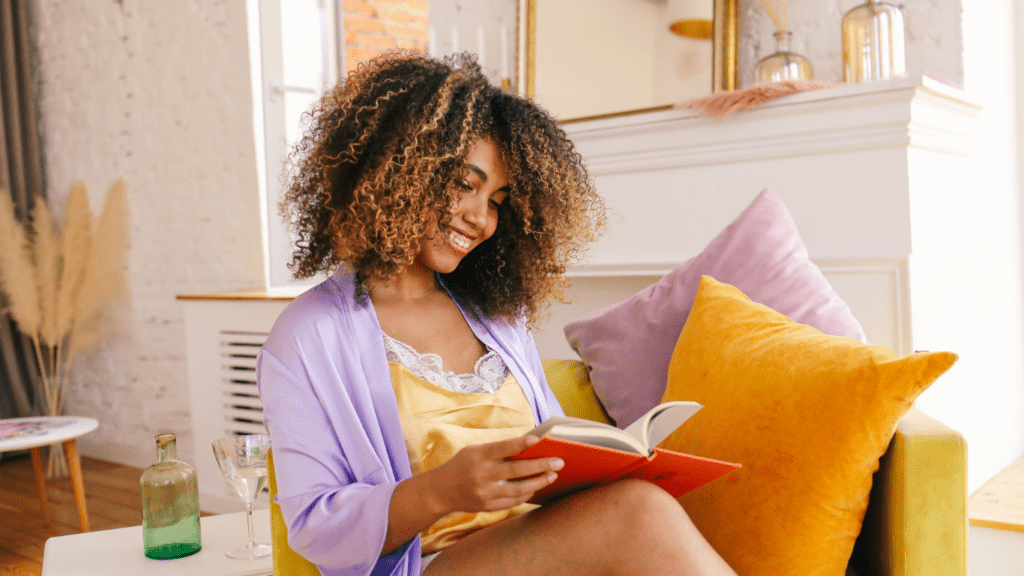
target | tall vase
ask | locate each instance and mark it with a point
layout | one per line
(873, 43)
(783, 65)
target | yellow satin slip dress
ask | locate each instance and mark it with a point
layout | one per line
(438, 422)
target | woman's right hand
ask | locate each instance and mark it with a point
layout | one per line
(481, 478)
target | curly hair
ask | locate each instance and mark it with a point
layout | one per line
(378, 168)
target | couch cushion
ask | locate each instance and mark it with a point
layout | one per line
(570, 382)
(628, 346)
(807, 415)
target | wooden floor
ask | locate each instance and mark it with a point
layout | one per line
(112, 499)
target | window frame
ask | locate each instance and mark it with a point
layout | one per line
(270, 124)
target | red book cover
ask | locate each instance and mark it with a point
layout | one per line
(587, 466)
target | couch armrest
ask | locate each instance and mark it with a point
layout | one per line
(916, 522)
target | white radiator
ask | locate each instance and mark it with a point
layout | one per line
(223, 337)
(242, 409)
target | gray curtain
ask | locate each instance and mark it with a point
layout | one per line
(21, 176)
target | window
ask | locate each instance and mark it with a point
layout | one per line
(292, 64)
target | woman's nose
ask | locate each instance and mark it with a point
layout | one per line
(474, 209)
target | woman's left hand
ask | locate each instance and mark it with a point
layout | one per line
(478, 478)
(481, 478)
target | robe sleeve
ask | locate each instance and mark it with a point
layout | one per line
(333, 488)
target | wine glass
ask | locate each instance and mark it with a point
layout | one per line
(243, 461)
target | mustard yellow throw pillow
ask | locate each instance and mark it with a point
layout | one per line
(570, 382)
(806, 414)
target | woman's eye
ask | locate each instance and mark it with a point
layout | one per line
(465, 185)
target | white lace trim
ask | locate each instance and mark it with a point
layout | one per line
(489, 372)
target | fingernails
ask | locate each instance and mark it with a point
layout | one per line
(557, 463)
(531, 439)
(552, 476)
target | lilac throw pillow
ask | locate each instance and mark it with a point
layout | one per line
(627, 347)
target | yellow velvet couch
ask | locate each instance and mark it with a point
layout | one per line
(916, 523)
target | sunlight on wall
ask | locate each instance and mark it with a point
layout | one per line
(972, 293)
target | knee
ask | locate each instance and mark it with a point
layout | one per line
(641, 506)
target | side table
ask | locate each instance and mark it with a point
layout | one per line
(120, 551)
(35, 432)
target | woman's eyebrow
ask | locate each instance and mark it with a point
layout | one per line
(483, 176)
(479, 171)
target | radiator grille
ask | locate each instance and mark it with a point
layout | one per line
(242, 409)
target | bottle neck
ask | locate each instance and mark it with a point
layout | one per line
(166, 448)
(782, 41)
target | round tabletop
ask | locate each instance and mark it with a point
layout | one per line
(34, 431)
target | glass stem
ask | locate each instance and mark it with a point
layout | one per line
(248, 516)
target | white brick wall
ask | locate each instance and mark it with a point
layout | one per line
(934, 43)
(157, 93)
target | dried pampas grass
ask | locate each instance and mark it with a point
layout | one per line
(725, 104)
(47, 263)
(17, 273)
(64, 283)
(77, 240)
(100, 293)
(778, 11)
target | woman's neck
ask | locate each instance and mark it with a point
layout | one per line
(414, 283)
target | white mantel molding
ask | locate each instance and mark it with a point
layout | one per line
(660, 268)
(909, 112)
(852, 164)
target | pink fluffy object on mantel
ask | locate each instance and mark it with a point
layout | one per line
(724, 104)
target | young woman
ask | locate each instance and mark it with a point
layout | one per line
(394, 392)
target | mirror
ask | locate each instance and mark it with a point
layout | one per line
(582, 59)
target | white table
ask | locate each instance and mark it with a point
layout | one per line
(119, 551)
(54, 429)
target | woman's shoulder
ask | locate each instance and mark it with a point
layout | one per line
(330, 307)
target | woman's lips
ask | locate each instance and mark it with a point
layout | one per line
(460, 242)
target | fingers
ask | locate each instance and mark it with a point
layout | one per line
(512, 492)
(519, 469)
(510, 447)
(516, 469)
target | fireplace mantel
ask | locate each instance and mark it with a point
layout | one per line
(844, 160)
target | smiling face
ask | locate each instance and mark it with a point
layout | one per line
(482, 191)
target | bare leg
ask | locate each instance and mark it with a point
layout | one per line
(629, 527)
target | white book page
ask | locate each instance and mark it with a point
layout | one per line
(661, 421)
(589, 432)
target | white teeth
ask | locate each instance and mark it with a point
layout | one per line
(460, 241)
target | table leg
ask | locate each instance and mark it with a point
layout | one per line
(75, 466)
(44, 501)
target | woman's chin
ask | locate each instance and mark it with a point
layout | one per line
(445, 265)
(451, 266)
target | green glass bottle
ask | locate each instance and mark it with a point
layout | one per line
(170, 504)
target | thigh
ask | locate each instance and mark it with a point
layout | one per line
(629, 527)
(543, 541)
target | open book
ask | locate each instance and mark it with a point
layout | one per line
(596, 453)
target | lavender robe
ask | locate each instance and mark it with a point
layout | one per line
(330, 408)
